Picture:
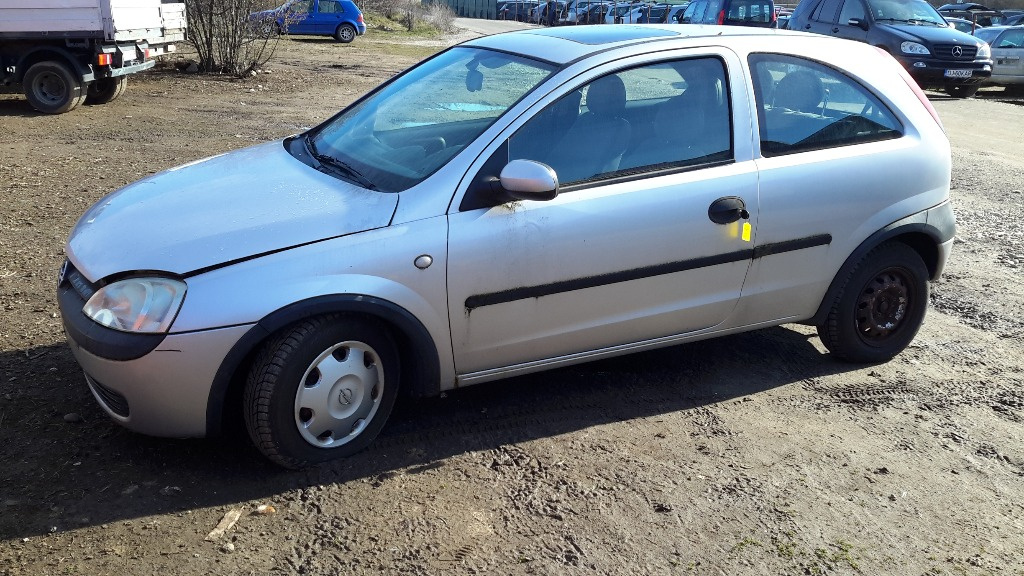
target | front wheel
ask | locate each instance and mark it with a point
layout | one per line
(321, 390)
(962, 90)
(880, 307)
(52, 87)
(105, 90)
(345, 33)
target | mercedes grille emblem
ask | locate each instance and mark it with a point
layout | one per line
(957, 51)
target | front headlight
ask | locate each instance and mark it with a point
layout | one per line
(984, 51)
(146, 305)
(914, 48)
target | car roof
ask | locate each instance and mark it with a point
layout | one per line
(565, 44)
(964, 6)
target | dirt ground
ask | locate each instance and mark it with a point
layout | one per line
(752, 454)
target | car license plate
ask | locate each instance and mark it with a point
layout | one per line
(958, 73)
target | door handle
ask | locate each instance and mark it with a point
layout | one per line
(727, 210)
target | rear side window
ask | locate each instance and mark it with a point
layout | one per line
(694, 12)
(803, 105)
(331, 7)
(826, 11)
(711, 13)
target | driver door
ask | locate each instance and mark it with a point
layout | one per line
(617, 259)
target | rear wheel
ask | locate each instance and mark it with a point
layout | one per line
(322, 390)
(345, 33)
(52, 88)
(880, 307)
(962, 90)
(106, 90)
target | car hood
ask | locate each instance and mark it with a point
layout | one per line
(932, 34)
(218, 210)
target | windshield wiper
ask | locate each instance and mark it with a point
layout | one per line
(338, 166)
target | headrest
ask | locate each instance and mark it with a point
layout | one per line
(801, 91)
(607, 96)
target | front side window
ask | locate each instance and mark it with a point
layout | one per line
(1012, 39)
(803, 105)
(662, 116)
(404, 132)
(851, 9)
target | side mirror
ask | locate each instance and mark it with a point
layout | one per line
(858, 22)
(529, 180)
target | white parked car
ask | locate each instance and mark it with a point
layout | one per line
(516, 203)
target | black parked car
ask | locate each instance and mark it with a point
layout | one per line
(934, 54)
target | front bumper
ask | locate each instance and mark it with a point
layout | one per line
(166, 391)
(931, 73)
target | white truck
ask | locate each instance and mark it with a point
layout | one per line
(64, 52)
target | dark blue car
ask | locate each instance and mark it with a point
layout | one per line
(339, 18)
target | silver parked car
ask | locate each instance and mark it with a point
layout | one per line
(515, 203)
(1007, 44)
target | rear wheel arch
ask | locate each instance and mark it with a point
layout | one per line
(419, 364)
(54, 53)
(922, 237)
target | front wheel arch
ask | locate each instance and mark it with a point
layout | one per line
(418, 357)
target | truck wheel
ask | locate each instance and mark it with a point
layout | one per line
(52, 88)
(962, 90)
(105, 90)
(345, 33)
(880, 308)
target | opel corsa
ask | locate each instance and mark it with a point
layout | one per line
(515, 203)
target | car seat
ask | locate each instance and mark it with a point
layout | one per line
(597, 140)
(799, 91)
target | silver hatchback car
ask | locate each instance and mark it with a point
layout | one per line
(515, 203)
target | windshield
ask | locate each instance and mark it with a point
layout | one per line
(986, 35)
(396, 137)
(912, 12)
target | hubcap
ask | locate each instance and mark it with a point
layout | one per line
(883, 306)
(339, 394)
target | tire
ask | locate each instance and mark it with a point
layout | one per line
(880, 307)
(321, 390)
(105, 90)
(345, 33)
(962, 90)
(52, 88)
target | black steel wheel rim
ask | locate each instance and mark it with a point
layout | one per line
(883, 306)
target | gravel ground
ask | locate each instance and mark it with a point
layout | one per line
(752, 454)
